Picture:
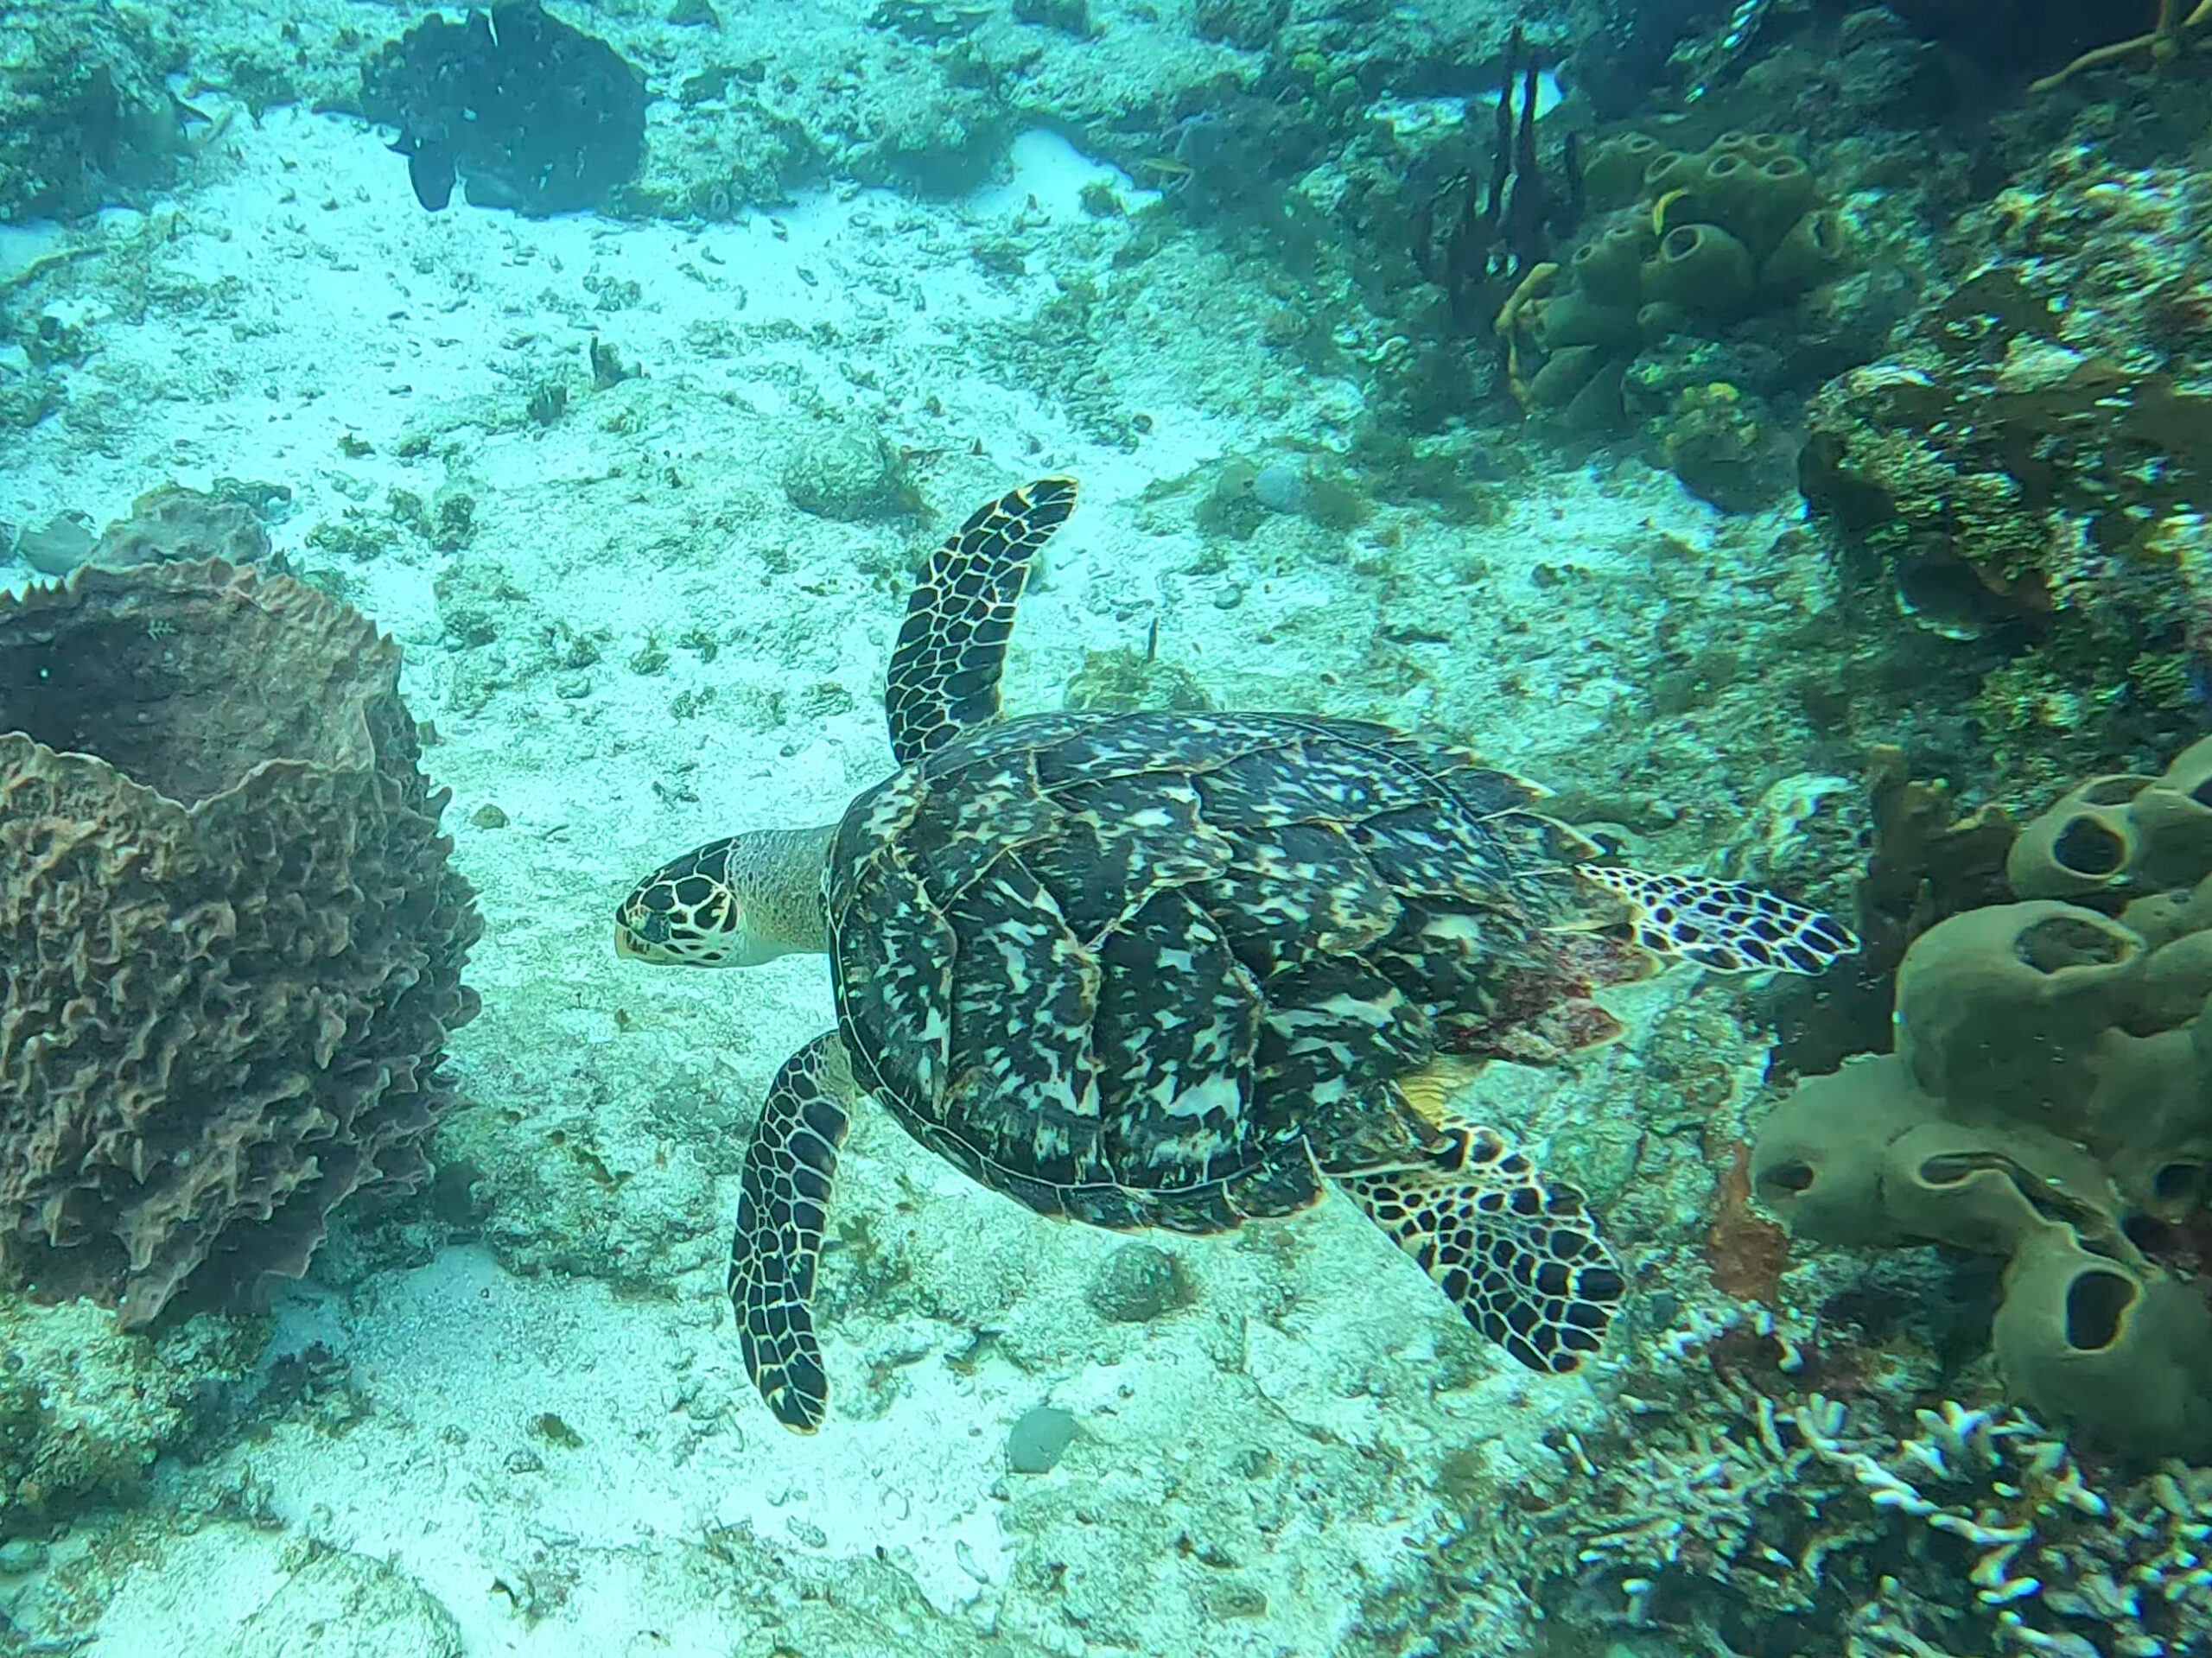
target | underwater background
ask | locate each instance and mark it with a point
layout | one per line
(1779, 429)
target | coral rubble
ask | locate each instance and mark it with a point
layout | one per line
(1770, 1521)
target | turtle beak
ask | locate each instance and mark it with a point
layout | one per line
(624, 944)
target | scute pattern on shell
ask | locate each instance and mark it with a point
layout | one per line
(1154, 969)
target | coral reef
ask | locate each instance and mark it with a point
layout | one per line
(528, 112)
(2024, 469)
(2048, 1103)
(86, 117)
(1685, 243)
(232, 938)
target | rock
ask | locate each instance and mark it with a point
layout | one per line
(1138, 1284)
(59, 545)
(174, 523)
(1039, 1438)
(849, 474)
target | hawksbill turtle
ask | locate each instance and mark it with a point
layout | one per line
(1180, 971)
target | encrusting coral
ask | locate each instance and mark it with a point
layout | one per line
(230, 941)
(2049, 1102)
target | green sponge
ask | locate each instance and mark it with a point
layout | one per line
(1701, 269)
(2127, 1354)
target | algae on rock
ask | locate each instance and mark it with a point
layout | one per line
(2028, 467)
(86, 1408)
(86, 116)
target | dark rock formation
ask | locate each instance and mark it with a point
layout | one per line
(527, 111)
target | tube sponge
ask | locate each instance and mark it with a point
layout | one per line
(2050, 1103)
(1754, 199)
(1701, 269)
(2086, 1339)
(1613, 177)
(1609, 267)
(2121, 832)
(1814, 249)
(232, 940)
(1971, 988)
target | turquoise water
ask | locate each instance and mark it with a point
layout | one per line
(453, 464)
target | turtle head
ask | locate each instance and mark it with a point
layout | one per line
(732, 903)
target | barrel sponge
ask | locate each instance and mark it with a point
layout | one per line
(230, 941)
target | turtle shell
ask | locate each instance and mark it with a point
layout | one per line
(1157, 970)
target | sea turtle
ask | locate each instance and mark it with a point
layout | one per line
(1179, 970)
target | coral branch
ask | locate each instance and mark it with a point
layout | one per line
(2164, 43)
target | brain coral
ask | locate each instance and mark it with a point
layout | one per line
(230, 942)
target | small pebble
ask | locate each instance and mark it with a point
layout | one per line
(1040, 1436)
(488, 817)
(1280, 488)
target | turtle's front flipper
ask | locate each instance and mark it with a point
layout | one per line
(944, 669)
(1723, 924)
(783, 1201)
(1517, 1253)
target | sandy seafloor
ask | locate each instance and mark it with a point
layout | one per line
(1277, 1438)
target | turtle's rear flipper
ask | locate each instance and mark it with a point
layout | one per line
(1517, 1253)
(783, 1201)
(1723, 924)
